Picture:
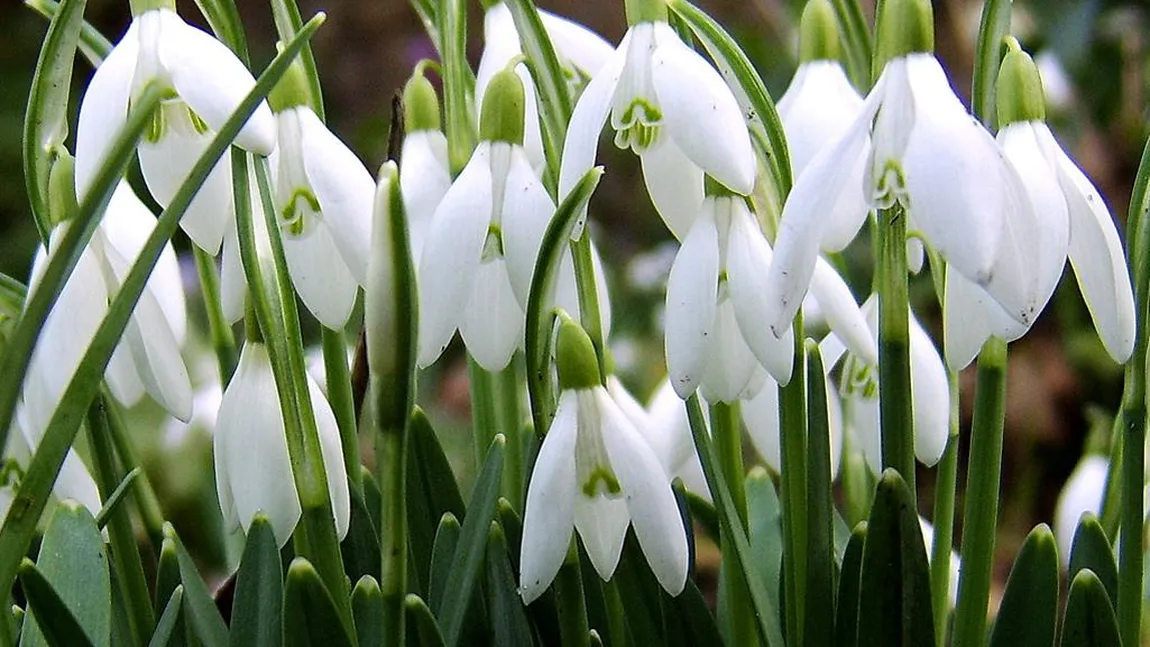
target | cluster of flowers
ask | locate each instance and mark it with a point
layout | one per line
(1004, 214)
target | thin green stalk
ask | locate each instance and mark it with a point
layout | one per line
(896, 415)
(125, 554)
(819, 615)
(573, 628)
(391, 447)
(484, 410)
(340, 398)
(457, 82)
(943, 518)
(980, 515)
(726, 434)
(589, 311)
(793, 488)
(147, 503)
(510, 386)
(223, 341)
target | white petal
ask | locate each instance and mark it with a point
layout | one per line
(701, 114)
(492, 320)
(75, 482)
(587, 119)
(500, 45)
(224, 484)
(692, 288)
(122, 379)
(675, 185)
(423, 181)
(526, 211)
(650, 500)
(549, 513)
(581, 47)
(451, 254)
(1099, 263)
(629, 405)
(761, 415)
(931, 394)
(668, 432)
(1082, 493)
(602, 524)
(344, 189)
(233, 283)
(209, 77)
(104, 108)
(816, 110)
(970, 317)
(842, 312)
(320, 277)
(332, 452)
(863, 421)
(730, 362)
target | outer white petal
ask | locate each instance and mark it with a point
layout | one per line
(580, 46)
(332, 452)
(166, 165)
(701, 114)
(209, 77)
(931, 394)
(692, 289)
(344, 189)
(863, 421)
(423, 181)
(1099, 263)
(224, 484)
(629, 405)
(587, 119)
(233, 283)
(842, 313)
(602, 524)
(76, 483)
(492, 320)
(451, 254)
(1082, 493)
(730, 362)
(668, 431)
(650, 500)
(817, 109)
(526, 209)
(320, 276)
(500, 45)
(123, 381)
(761, 415)
(970, 317)
(104, 108)
(675, 185)
(549, 513)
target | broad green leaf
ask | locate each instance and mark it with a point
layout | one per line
(640, 593)
(689, 608)
(1090, 549)
(993, 28)
(820, 589)
(765, 528)
(505, 610)
(542, 612)
(168, 626)
(422, 623)
(203, 616)
(257, 605)
(367, 610)
(62, 629)
(442, 555)
(1089, 620)
(310, 616)
(894, 587)
(168, 578)
(464, 570)
(1027, 616)
(72, 568)
(850, 577)
(431, 493)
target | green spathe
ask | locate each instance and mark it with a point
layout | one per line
(902, 27)
(575, 357)
(1020, 95)
(819, 33)
(420, 104)
(502, 117)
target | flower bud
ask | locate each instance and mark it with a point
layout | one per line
(420, 104)
(903, 27)
(1020, 95)
(502, 117)
(818, 33)
(575, 356)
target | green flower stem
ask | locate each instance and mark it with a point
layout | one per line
(726, 434)
(484, 407)
(856, 41)
(510, 387)
(994, 26)
(895, 411)
(147, 503)
(573, 628)
(340, 398)
(793, 490)
(125, 554)
(223, 341)
(980, 515)
(943, 519)
(588, 292)
(459, 124)
(391, 460)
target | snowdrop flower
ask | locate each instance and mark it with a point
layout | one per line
(595, 473)
(668, 432)
(323, 200)
(1073, 222)
(424, 177)
(672, 109)
(581, 53)
(253, 468)
(916, 138)
(930, 393)
(207, 82)
(715, 306)
(761, 417)
(1082, 493)
(480, 251)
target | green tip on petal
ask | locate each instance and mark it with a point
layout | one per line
(819, 33)
(292, 90)
(903, 27)
(1020, 95)
(420, 104)
(575, 356)
(502, 117)
(62, 203)
(641, 11)
(713, 188)
(141, 7)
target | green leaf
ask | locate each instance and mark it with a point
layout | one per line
(1027, 616)
(820, 589)
(367, 610)
(857, 42)
(62, 629)
(46, 119)
(993, 28)
(537, 337)
(167, 628)
(640, 593)
(420, 619)
(93, 44)
(765, 530)
(116, 497)
(442, 555)
(464, 570)
(203, 616)
(360, 548)
(257, 605)
(1089, 620)
(542, 611)
(224, 19)
(1090, 549)
(72, 568)
(310, 616)
(894, 587)
(167, 574)
(850, 578)
(690, 608)
(431, 493)
(289, 26)
(508, 621)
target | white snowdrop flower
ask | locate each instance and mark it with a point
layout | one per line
(597, 475)
(424, 175)
(761, 417)
(668, 432)
(253, 468)
(1082, 493)
(207, 83)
